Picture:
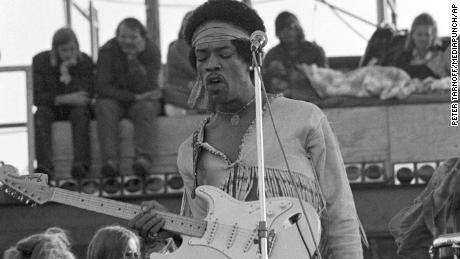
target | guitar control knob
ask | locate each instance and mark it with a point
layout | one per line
(284, 205)
(270, 213)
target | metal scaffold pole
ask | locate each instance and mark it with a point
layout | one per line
(153, 21)
(68, 12)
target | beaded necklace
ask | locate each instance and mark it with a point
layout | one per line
(235, 120)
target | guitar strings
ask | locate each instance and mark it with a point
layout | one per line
(242, 237)
(127, 210)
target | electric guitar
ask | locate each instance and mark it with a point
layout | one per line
(230, 229)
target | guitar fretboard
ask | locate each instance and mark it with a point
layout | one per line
(175, 223)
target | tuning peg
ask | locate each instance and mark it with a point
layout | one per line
(20, 197)
(27, 201)
(33, 204)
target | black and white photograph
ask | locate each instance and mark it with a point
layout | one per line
(229, 129)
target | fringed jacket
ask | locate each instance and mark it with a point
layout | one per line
(314, 157)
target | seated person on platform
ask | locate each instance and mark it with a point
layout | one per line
(52, 244)
(281, 74)
(114, 242)
(180, 75)
(377, 46)
(423, 55)
(62, 83)
(127, 86)
(222, 152)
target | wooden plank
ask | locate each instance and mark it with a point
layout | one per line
(410, 133)
(422, 133)
(170, 132)
(362, 133)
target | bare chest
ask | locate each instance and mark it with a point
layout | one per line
(227, 138)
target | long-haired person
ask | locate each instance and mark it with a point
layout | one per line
(62, 86)
(52, 244)
(423, 53)
(114, 242)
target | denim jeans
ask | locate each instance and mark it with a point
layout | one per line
(143, 114)
(79, 117)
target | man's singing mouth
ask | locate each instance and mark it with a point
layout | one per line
(214, 79)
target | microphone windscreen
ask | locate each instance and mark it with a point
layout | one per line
(258, 38)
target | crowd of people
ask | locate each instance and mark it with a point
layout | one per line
(394, 65)
(209, 68)
(124, 83)
(109, 242)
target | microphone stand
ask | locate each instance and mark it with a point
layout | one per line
(262, 230)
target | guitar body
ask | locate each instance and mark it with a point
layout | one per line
(232, 229)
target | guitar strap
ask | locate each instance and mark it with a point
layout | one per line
(196, 149)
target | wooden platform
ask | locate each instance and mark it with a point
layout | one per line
(386, 134)
(170, 133)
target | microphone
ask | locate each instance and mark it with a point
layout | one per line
(258, 40)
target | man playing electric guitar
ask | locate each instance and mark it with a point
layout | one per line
(222, 151)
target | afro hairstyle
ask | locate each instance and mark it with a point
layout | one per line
(233, 12)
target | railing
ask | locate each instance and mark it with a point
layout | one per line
(29, 100)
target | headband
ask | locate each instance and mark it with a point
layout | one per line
(217, 31)
(211, 32)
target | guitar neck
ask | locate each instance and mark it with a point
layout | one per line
(127, 211)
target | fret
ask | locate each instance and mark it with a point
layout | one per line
(175, 223)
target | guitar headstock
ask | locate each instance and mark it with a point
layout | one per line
(27, 188)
